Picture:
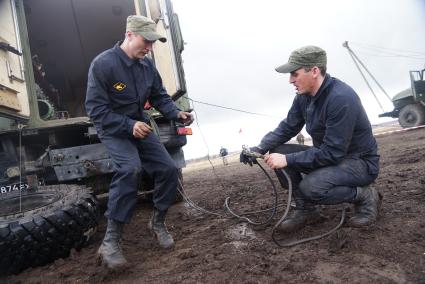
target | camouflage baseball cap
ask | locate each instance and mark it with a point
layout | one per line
(307, 56)
(144, 27)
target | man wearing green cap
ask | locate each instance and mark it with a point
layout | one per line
(344, 158)
(120, 82)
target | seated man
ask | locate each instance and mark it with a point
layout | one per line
(344, 158)
(120, 81)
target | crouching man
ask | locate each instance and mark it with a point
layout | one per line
(120, 81)
(344, 158)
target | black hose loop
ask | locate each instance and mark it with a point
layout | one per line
(246, 219)
(297, 242)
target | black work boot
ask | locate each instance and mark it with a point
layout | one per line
(366, 207)
(305, 213)
(159, 230)
(110, 251)
(300, 218)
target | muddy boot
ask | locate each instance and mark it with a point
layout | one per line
(159, 230)
(300, 218)
(366, 206)
(305, 213)
(110, 252)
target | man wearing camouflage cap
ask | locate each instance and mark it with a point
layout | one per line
(344, 158)
(120, 82)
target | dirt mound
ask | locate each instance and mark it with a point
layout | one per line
(215, 249)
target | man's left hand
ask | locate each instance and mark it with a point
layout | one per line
(185, 117)
(275, 160)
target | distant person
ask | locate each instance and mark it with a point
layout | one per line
(344, 158)
(300, 138)
(120, 81)
(223, 155)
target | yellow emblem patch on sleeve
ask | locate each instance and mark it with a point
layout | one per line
(119, 86)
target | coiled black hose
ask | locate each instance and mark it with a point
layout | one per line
(273, 209)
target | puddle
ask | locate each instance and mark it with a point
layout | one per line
(241, 231)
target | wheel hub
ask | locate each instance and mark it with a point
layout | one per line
(28, 202)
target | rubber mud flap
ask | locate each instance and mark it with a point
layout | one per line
(37, 227)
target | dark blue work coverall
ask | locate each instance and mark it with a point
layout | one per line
(344, 153)
(117, 90)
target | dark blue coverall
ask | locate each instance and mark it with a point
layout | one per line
(117, 89)
(344, 153)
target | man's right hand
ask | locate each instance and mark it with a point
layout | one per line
(141, 130)
(243, 158)
(185, 117)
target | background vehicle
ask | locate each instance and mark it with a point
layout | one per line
(409, 104)
(49, 150)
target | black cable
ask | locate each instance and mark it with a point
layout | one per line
(293, 243)
(274, 208)
(194, 205)
(297, 242)
(356, 58)
(234, 109)
(386, 49)
(182, 192)
(394, 55)
(366, 81)
(288, 206)
(202, 134)
(208, 149)
(263, 210)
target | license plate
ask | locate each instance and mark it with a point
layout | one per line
(13, 187)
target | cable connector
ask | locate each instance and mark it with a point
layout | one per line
(247, 152)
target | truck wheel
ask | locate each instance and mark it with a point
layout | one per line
(411, 115)
(41, 226)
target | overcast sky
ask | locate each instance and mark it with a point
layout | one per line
(233, 46)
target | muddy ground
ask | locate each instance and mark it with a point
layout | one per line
(216, 249)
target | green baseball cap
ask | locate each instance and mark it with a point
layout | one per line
(144, 27)
(307, 56)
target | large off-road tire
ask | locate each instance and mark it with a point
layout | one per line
(411, 115)
(41, 226)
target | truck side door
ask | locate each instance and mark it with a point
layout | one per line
(14, 101)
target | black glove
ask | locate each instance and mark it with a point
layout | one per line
(243, 158)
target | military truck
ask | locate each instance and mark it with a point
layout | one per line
(409, 104)
(51, 160)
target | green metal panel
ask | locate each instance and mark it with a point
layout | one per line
(403, 94)
(34, 120)
(6, 123)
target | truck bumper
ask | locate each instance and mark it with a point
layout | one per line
(393, 114)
